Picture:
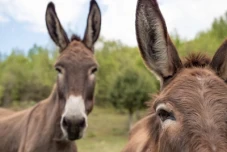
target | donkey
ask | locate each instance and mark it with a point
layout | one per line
(54, 123)
(189, 114)
(5, 112)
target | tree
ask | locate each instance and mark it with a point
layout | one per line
(26, 78)
(13, 77)
(130, 91)
(206, 41)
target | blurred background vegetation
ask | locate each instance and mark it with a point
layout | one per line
(123, 83)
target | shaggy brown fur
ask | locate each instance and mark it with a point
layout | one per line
(189, 113)
(196, 60)
(40, 129)
(75, 37)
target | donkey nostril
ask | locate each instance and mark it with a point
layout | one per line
(82, 123)
(66, 122)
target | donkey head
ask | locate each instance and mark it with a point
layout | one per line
(190, 112)
(76, 67)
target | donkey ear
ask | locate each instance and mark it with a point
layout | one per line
(55, 28)
(219, 61)
(93, 25)
(156, 48)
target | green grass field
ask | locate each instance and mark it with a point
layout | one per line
(107, 132)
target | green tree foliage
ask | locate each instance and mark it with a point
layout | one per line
(122, 79)
(205, 41)
(1, 91)
(26, 78)
(130, 91)
(13, 76)
(42, 73)
(114, 58)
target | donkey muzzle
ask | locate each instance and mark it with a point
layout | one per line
(74, 128)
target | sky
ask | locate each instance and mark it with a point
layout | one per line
(22, 22)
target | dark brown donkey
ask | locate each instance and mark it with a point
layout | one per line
(190, 112)
(53, 124)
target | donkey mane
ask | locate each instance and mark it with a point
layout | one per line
(75, 37)
(196, 60)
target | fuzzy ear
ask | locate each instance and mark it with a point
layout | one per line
(156, 48)
(55, 28)
(93, 25)
(219, 61)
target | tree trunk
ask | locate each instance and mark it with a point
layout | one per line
(130, 120)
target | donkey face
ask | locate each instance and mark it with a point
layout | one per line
(190, 112)
(76, 68)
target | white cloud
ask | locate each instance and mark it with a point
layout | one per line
(188, 17)
(3, 19)
(118, 21)
(33, 12)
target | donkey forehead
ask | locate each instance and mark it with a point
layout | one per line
(76, 54)
(197, 89)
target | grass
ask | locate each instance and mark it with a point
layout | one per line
(106, 132)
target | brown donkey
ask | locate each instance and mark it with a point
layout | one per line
(5, 112)
(189, 114)
(53, 124)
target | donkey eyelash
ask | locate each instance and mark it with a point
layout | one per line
(164, 115)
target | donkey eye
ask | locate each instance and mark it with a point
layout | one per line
(58, 70)
(165, 115)
(93, 70)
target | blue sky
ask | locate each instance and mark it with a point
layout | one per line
(22, 22)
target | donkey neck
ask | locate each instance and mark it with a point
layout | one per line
(45, 119)
(54, 107)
